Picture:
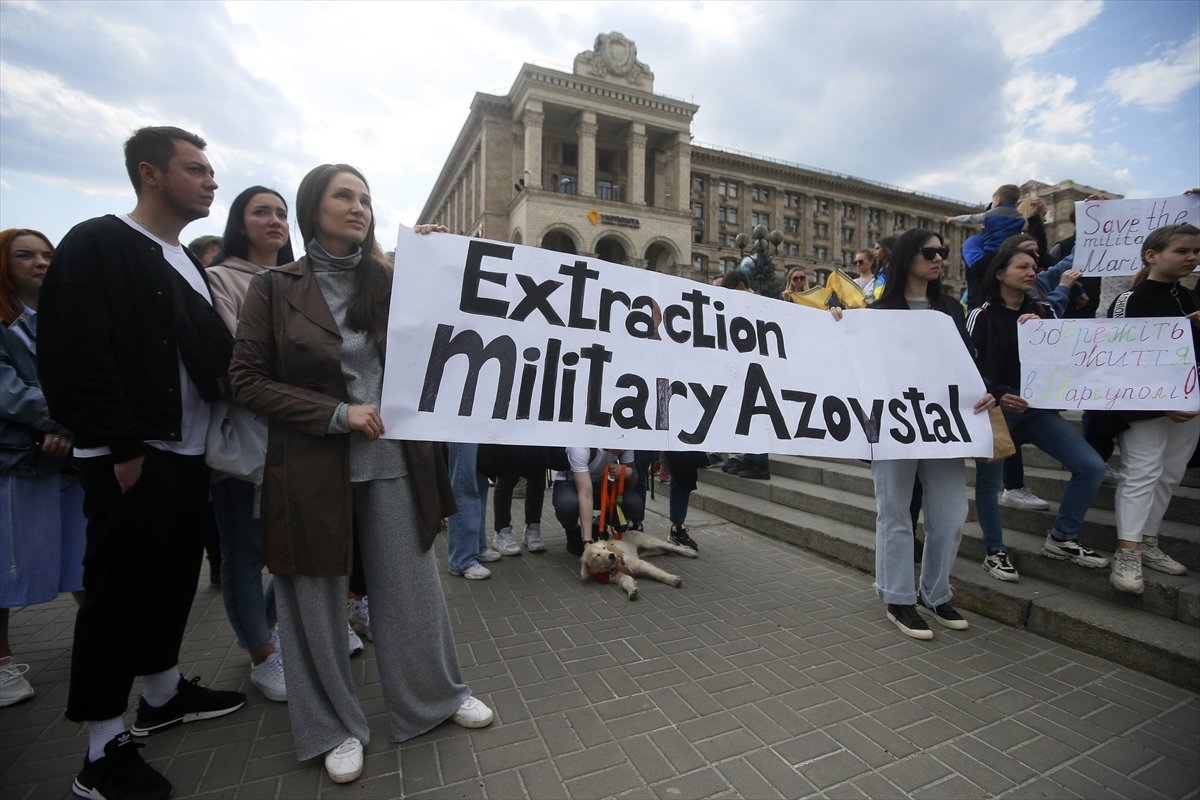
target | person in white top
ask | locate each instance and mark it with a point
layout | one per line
(578, 494)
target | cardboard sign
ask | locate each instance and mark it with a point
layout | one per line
(1142, 364)
(494, 342)
(1109, 233)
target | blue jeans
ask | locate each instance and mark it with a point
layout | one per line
(246, 604)
(1050, 433)
(466, 531)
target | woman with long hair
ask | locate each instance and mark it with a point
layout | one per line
(256, 237)
(1005, 289)
(309, 356)
(42, 528)
(914, 284)
(1155, 446)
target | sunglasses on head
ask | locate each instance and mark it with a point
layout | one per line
(929, 252)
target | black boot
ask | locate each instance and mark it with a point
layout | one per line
(574, 541)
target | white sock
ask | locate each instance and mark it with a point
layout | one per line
(101, 733)
(159, 688)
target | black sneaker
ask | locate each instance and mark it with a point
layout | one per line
(191, 704)
(909, 621)
(679, 535)
(733, 466)
(946, 615)
(121, 774)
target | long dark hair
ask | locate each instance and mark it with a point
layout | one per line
(368, 309)
(1009, 248)
(902, 257)
(235, 242)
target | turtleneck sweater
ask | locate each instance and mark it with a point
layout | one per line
(362, 368)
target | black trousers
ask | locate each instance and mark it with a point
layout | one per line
(144, 549)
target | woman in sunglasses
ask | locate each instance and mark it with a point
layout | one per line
(1005, 289)
(914, 284)
(797, 284)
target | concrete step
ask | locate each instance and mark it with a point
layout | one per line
(1149, 643)
(1034, 457)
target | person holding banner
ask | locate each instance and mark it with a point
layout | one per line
(914, 284)
(1155, 447)
(309, 356)
(1004, 289)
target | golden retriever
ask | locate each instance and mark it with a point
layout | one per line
(620, 560)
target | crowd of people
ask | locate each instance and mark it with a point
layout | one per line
(160, 399)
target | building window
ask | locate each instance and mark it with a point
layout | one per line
(793, 249)
(760, 194)
(698, 183)
(698, 235)
(568, 184)
(721, 188)
(757, 218)
(698, 210)
(724, 240)
(728, 264)
(821, 230)
(925, 224)
(605, 190)
(849, 211)
(874, 218)
(821, 253)
(605, 161)
(698, 263)
(791, 225)
(570, 155)
(727, 214)
(899, 222)
(847, 258)
(820, 207)
(791, 200)
(847, 234)
(733, 190)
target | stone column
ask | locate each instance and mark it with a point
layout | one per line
(635, 192)
(586, 133)
(532, 119)
(682, 157)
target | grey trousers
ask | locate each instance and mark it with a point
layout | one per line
(414, 645)
(945, 507)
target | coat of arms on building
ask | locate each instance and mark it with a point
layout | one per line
(614, 58)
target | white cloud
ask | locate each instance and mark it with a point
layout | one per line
(1157, 85)
(1031, 27)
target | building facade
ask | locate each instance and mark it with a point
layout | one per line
(594, 162)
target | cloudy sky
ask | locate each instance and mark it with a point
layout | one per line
(943, 97)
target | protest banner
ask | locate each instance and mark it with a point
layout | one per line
(493, 342)
(1142, 364)
(1109, 233)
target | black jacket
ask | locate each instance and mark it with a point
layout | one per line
(114, 318)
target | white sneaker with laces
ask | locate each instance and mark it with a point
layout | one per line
(345, 762)
(1126, 575)
(355, 643)
(533, 538)
(487, 554)
(1000, 568)
(267, 677)
(1157, 560)
(475, 572)
(505, 544)
(1023, 498)
(1071, 550)
(13, 686)
(359, 613)
(473, 714)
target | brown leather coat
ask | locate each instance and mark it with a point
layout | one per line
(287, 366)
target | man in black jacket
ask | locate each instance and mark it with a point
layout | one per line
(131, 353)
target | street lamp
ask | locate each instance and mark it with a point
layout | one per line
(758, 264)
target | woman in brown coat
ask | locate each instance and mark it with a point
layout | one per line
(309, 356)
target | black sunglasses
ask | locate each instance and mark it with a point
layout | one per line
(799, 277)
(858, 262)
(929, 252)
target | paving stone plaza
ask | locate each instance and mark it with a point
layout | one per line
(772, 672)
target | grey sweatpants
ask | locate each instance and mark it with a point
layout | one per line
(414, 645)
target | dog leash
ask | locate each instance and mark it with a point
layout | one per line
(612, 495)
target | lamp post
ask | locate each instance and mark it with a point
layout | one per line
(761, 245)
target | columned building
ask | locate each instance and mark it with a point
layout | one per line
(594, 162)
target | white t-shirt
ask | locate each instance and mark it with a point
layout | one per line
(580, 459)
(194, 420)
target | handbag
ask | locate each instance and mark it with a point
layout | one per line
(236, 444)
(1002, 443)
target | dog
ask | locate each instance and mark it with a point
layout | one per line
(621, 560)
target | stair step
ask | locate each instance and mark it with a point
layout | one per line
(1150, 643)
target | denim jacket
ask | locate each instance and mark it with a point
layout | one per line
(24, 418)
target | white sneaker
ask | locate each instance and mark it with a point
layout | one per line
(1126, 575)
(1023, 498)
(1000, 568)
(1071, 550)
(473, 714)
(533, 538)
(1111, 476)
(356, 644)
(504, 542)
(487, 554)
(359, 614)
(345, 762)
(267, 677)
(475, 572)
(1156, 559)
(13, 686)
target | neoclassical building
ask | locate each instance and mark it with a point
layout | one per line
(594, 162)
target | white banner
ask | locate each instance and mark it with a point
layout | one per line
(493, 342)
(1109, 233)
(1141, 364)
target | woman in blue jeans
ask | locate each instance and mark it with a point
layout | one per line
(993, 329)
